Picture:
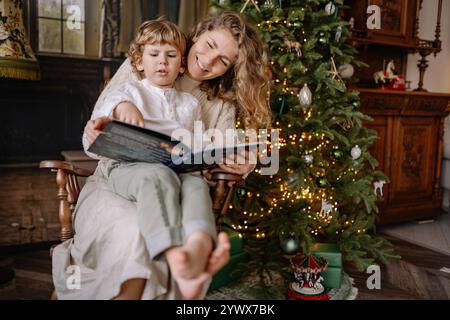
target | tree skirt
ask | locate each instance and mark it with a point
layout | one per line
(249, 288)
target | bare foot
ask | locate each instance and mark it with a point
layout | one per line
(189, 261)
(191, 269)
(220, 255)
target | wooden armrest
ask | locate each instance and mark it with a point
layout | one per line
(222, 193)
(66, 166)
(227, 176)
(68, 191)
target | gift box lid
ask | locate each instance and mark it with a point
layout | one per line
(330, 252)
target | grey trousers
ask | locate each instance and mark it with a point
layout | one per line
(170, 207)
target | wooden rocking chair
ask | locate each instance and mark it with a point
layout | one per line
(69, 189)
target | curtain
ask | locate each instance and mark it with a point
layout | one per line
(131, 17)
(120, 19)
(171, 9)
(191, 12)
(109, 28)
(17, 60)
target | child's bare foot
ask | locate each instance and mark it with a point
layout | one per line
(189, 261)
(220, 255)
(193, 264)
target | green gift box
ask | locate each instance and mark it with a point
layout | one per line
(236, 240)
(332, 278)
(225, 275)
(333, 274)
(330, 252)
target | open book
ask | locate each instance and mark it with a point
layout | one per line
(126, 142)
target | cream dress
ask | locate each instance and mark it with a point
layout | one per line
(107, 248)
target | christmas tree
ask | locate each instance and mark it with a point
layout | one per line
(324, 189)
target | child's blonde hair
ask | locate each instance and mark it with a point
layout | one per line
(159, 31)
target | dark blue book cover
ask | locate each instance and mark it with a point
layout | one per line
(126, 142)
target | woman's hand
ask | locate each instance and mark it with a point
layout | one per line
(240, 169)
(234, 166)
(127, 112)
(238, 164)
(94, 127)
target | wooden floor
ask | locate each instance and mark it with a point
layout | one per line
(33, 279)
(416, 276)
(433, 234)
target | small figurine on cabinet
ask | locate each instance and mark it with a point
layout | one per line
(389, 79)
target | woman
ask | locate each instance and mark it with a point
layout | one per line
(226, 72)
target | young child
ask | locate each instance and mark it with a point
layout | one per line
(174, 212)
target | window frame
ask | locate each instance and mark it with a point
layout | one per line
(61, 21)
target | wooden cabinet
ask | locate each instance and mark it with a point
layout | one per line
(409, 150)
(397, 21)
(396, 37)
(379, 149)
(415, 142)
(409, 124)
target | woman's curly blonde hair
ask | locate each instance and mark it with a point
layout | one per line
(246, 83)
(159, 31)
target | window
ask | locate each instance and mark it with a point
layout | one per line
(76, 28)
(61, 25)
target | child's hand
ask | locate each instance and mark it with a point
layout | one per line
(127, 112)
(93, 128)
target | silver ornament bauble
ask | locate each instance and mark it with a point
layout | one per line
(356, 152)
(290, 245)
(346, 71)
(330, 8)
(305, 97)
